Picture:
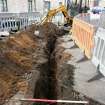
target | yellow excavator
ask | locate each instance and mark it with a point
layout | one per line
(53, 12)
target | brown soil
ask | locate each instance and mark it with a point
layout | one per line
(22, 52)
(15, 60)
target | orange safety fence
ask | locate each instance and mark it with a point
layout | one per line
(82, 34)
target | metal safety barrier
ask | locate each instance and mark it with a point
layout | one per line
(98, 58)
(11, 21)
(82, 34)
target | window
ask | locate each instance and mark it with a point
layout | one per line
(30, 6)
(69, 4)
(65, 1)
(34, 5)
(47, 5)
(3, 4)
(60, 3)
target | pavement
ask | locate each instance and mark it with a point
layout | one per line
(88, 81)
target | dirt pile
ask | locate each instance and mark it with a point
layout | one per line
(17, 50)
(50, 28)
(6, 83)
(16, 59)
(19, 59)
(21, 41)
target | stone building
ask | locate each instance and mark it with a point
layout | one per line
(21, 6)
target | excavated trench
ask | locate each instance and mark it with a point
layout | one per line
(46, 86)
(56, 76)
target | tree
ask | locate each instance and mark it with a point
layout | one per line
(88, 3)
(76, 2)
(85, 2)
(80, 6)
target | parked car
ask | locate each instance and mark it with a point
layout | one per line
(97, 10)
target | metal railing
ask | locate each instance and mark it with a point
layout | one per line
(11, 21)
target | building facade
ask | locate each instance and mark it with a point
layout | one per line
(42, 6)
(18, 14)
(56, 3)
(58, 18)
(21, 6)
(102, 3)
(92, 3)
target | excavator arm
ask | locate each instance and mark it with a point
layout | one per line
(53, 12)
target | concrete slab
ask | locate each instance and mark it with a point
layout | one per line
(85, 71)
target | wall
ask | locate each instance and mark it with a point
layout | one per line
(94, 2)
(97, 3)
(0, 6)
(55, 3)
(17, 6)
(39, 6)
(59, 17)
(102, 3)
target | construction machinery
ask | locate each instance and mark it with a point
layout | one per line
(53, 12)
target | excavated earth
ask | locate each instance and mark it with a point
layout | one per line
(21, 54)
(36, 66)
